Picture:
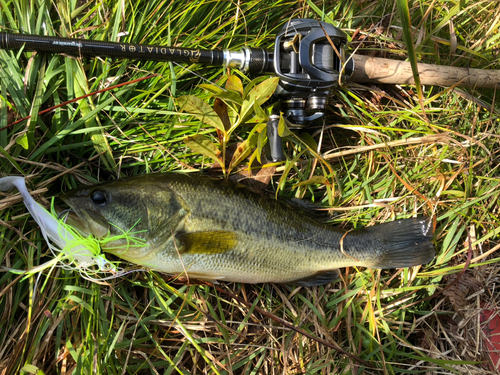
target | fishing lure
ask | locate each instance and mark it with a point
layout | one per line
(71, 250)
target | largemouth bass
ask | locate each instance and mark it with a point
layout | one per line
(212, 230)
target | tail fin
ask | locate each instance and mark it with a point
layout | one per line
(405, 243)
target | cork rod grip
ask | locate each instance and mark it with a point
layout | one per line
(386, 71)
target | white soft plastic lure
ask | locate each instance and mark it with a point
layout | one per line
(70, 249)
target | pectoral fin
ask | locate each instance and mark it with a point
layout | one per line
(207, 242)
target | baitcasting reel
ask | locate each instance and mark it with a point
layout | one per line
(309, 60)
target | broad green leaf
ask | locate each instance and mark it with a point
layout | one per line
(201, 110)
(252, 84)
(233, 114)
(260, 133)
(243, 150)
(259, 127)
(255, 155)
(259, 112)
(263, 91)
(23, 141)
(204, 146)
(261, 141)
(233, 83)
(245, 112)
(220, 107)
(229, 97)
(283, 130)
(309, 141)
(211, 88)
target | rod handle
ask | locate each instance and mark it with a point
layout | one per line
(386, 71)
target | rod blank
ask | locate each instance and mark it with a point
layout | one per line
(84, 47)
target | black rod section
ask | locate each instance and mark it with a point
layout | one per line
(85, 47)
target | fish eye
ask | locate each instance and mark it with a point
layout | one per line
(98, 197)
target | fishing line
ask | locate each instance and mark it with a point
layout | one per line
(68, 210)
(198, 75)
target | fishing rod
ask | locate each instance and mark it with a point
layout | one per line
(308, 57)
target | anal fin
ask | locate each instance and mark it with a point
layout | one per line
(318, 278)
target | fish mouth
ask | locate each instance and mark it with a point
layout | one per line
(85, 221)
(73, 220)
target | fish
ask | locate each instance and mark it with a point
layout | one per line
(212, 230)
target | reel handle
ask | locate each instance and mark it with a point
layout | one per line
(274, 140)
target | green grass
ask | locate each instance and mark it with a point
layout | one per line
(144, 323)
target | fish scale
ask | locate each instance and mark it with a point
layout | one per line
(214, 230)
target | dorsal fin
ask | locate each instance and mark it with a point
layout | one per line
(313, 210)
(207, 242)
